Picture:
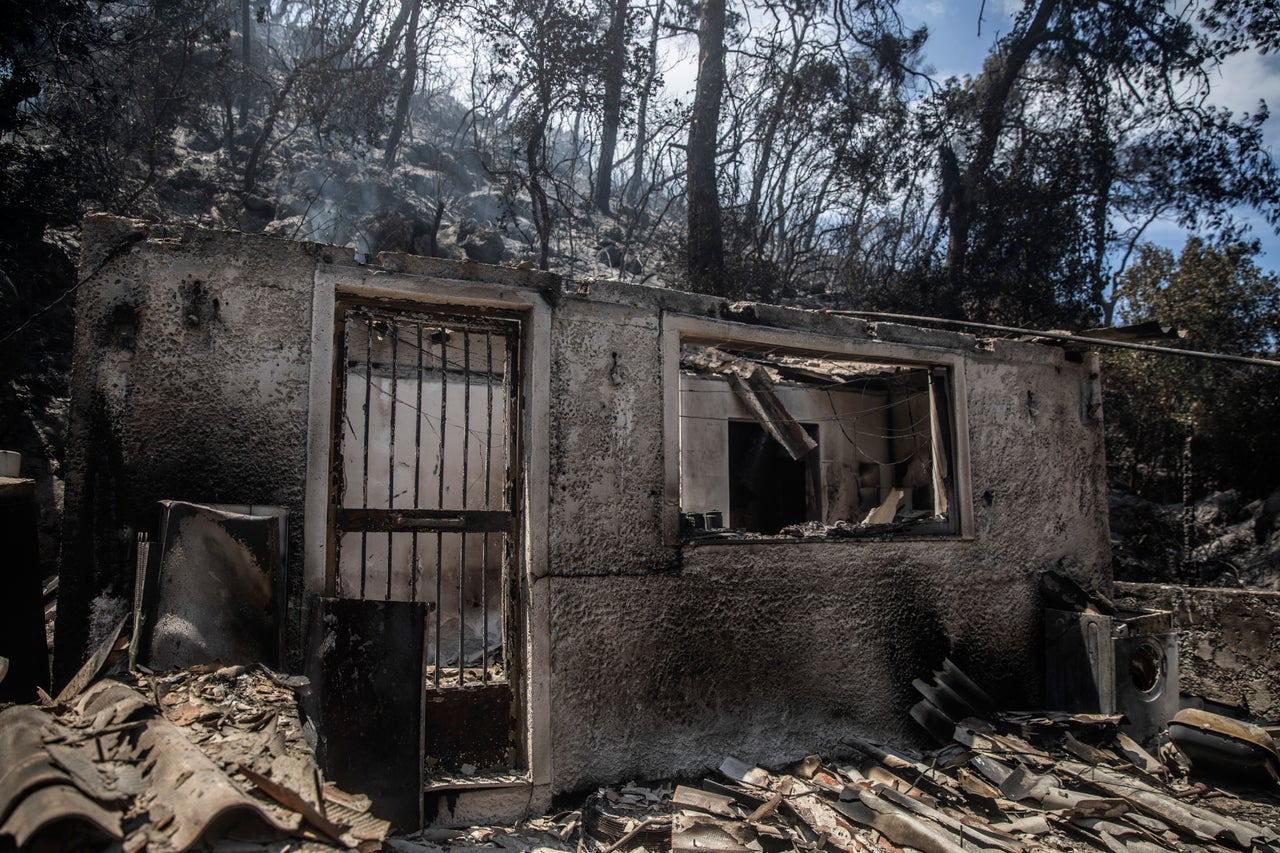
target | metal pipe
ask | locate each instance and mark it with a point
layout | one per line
(444, 408)
(368, 388)
(488, 470)
(417, 469)
(466, 459)
(1063, 336)
(391, 448)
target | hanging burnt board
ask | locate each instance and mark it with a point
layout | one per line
(365, 661)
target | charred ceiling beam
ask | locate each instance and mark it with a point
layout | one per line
(754, 387)
(756, 393)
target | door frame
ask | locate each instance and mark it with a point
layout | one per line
(526, 300)
(500, 703)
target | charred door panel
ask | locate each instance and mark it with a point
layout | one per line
(472, 726)
(363, 659)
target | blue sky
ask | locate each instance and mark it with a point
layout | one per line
(958, 43)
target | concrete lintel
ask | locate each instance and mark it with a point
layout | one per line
(919, 336)
(489, 274)
(430, 290)
(871, 347)
(662, 299)
(1027, 351)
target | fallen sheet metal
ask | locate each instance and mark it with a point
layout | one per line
(837, 808)
(696, 833)
(713, 804)
(900, 827)
(1201, 823)
(981, 835)
(60, 817)
(185, 783)
(112, 767)
(210, 592)
(948, 701)
(40, 802)
(740, 771)
(1221, 746)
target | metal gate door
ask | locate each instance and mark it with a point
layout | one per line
(423, 508)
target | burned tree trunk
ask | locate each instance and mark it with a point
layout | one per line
(706, 237)
(614, 73)
(407, 86)
(535, 162)
(642, 109)
(968, 186)
(771, 121)
(246, 48)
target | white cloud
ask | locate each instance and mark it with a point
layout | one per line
(1244, 80)
(927, 11)
(1011, 8)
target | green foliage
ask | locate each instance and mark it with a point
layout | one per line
(1088, 121)
(1217, 294)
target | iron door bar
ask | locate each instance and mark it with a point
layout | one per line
(360, 520)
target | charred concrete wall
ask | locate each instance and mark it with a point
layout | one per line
(649, 655)
(190, 382)
(1228, 641)
(668, 656)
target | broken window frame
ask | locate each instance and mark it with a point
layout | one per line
(946, 370)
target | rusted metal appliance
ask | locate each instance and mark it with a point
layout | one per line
(1123, 663)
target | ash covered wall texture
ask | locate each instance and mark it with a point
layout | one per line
(666, 657)
(191, 382)
(1228, 641)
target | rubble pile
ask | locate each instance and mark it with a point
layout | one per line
(220, 758)
(172, 762)
(1021, 782)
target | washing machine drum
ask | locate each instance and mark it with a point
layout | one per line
(1148, 667)
(1146, 683)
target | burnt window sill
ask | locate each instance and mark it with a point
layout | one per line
(810, 532)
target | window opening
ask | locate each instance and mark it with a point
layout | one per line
(784, 442)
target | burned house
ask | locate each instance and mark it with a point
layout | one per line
(596, 531)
